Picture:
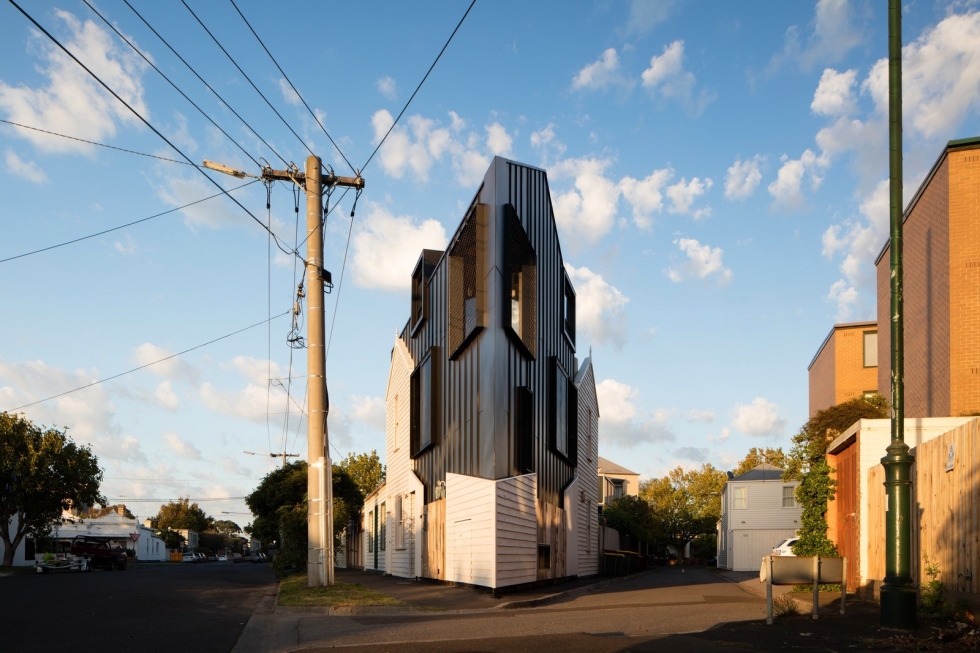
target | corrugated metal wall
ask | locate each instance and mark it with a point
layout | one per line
(476, 391)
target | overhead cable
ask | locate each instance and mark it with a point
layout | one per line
(136, 369)
(288, 81)
(152, 65)
(235, 63)
(128, 224)
(216, 94)
(82, 140)
(146, 122)
(439, 56)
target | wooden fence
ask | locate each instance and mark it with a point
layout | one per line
(433, 541)
(945, 511)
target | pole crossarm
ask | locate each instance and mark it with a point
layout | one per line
(296, 176)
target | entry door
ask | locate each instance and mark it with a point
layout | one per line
(463, 552)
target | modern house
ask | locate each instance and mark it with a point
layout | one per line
(941, 256)
(758, 511)
(616, 481)
(845, 366)
(852, 455)
(492, 419)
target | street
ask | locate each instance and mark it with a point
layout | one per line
(154, 607)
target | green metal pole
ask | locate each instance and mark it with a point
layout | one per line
(898, 596)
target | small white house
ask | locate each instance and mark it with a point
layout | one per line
(374, 529)
(148, 546)
(758, 511)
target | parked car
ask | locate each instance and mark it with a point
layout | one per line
(212, 558)
(190, 557)
(100, 553)
(202, 557)
(222, 558)
(237, 557)
(785, 548)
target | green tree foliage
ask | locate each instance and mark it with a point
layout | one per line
(227, 527)
(631, 516)
(279, 505)
(807, 463)
(171, 539)
(42, 473)
(98, 513)
(759, 456)
(684, 504)
(365, 469)
(181, 514)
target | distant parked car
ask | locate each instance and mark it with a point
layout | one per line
(237, 557)
(785, 548)
(190, 557)
(222, 558)
(212, 558)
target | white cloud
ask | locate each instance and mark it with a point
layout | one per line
(835, 93)
(586, 213)
(178, 190)
(645, 15)
(544, 141)
(499, 142)
(126, 246)
(70, 101)
(787, 190)
(25, 169)
(386, 248)
(743, 178)
(834, 35)
(250, 403)
(760, 418)
(695, 454)
(601, 74)
(174, 368)
(725, 433)
(622, 423)
(259, 371)
(372, 411)
(387, 87)
(667, 78)
(683, 194)
(182, 448)
(288, 94)
(646, 196)
(165, 397)
(702, 262)
(695, 416)
(599, 307)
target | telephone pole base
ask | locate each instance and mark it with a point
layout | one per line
(898, 606)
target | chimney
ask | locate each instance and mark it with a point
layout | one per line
(121, 509)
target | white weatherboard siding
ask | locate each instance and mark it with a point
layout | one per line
(370, 537)
(573, 521)
(585, 512)
(401, 480)
(470, 541)
(749, 546)
(517, 530)
(874, 438)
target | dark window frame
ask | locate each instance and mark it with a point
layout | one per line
(563, 410)
(544, 557)
(523, 430)
(520, 258)
(467, 258)
(421, 276)
(568, 309)
(864, 348)
(423, 426)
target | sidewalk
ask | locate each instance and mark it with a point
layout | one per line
(749, 581)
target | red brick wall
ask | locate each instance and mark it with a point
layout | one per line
(851, 378)
(964, 281)
(822, 389)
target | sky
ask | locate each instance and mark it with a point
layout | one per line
(718, 173)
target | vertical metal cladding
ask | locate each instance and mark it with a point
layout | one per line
(459, 447)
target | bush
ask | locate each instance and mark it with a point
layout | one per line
(784, 606)
(292, 555)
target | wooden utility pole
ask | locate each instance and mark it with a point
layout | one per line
(319, 561)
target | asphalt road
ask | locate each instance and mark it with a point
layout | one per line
(161, 607)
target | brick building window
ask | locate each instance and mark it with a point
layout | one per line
(871, 349)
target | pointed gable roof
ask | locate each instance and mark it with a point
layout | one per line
(763, 472)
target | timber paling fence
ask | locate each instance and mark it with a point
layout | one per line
(945, 511)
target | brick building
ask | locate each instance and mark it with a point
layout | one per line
(942, 289)
(845, 366)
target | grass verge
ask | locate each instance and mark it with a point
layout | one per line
(294, 592)
(17, 570)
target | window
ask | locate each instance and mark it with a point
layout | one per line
(424, 428)
(568, 309)
(563, 422)
(588, 435)
(420, 296)
(520, 306)
(871, 349)
(382, 541)
(523, 430)
(618, 488)
(544, 556)
(589, 518)
(467, 267)
(372, 524)
(740, 498)
(399, 524)
(789, 496)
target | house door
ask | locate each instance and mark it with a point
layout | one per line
(463, 552)
(847, 509)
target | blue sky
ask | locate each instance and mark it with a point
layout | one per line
(716, 171)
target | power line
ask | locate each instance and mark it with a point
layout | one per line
(135, 369)
(216, 94)
(288, 81)
(439, 56)
(152, 65)
(82, 140)
(128, 224)
(128, 500)
(340, 287)
(144, 120)
(232, 59)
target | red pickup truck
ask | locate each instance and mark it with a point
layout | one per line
(101, 553)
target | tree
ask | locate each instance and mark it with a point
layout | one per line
(684, 505)
(171, 539)
(365, 469)
(631, 516)
(227, 527)
(807, 463)
(285, 486)
(98, 513)
(181, 514)
(759, 456)
(42, 473)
